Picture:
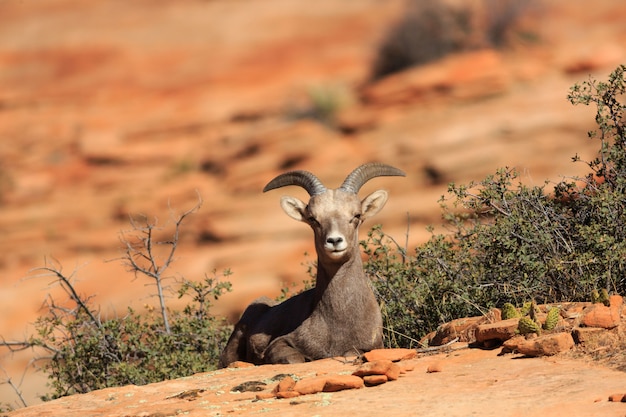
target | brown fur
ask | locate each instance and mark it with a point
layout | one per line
(340, 316)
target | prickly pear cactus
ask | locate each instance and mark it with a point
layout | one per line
(601, 296)
(604, 297)
(552, 319)
(527, 325)
(509, 311)
(595, 297)
(526, 308)
(533, 311)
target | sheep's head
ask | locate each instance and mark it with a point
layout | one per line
(334, 215)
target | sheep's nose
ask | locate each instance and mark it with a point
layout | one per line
(334, 240)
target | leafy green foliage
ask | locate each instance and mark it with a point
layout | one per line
(321, 103)
(85, 352)
(90, 354)
(510, 242)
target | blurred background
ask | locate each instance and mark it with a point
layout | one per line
(111, 109)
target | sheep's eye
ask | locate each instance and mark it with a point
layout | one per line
(357, 218)
(313, 220)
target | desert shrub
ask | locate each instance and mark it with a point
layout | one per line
(510, 242)
(89, 353)
(85, 352)
(430, 30)
(414, 291)
(598, 207)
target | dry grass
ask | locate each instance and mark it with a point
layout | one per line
(607, 348)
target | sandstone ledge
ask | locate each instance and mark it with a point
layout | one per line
(470, 379)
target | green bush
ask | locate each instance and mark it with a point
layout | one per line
(84, 352)
(89, 353)
(510, 242)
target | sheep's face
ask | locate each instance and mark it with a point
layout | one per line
(335, 217)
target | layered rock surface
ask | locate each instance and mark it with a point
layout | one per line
(467, 381)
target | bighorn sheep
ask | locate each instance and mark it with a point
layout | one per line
(340, 315)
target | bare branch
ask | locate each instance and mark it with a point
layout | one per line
(144, 250)
(68, 287)
(16, 388)
(16, 346)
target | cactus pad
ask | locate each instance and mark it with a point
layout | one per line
(509, 311)
(526, 308)
(604, 297)
(552, 319)
(595, 297)
(527, 325)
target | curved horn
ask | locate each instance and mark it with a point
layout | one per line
(366, 172)
(304, 179)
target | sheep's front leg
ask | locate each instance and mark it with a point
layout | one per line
(235, 348)
(281, 350)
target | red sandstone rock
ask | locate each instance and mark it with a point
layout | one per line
(326, 383)
(373, 380)
(373, 368)
(546, 345)
(502, 330)
(342, 382)
(381, 367)
(357, 119)
(616, 301)
(510, 346)
(310, 385)
(265, 395)
(393, 372)
(599, 315)
(582, 335)
(285, 384)
(470, 371)
(389, 354)
(287, 394)
(464, 329)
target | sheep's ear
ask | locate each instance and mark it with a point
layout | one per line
(373, 203)
(293, 207)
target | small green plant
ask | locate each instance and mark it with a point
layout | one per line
(322, 104)
(526, 308)
(181, 167)
(527, 325)
(84, 351)
(552, 319)
(600, 297)
(325, 103)
(509, 312)
(415, 292)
